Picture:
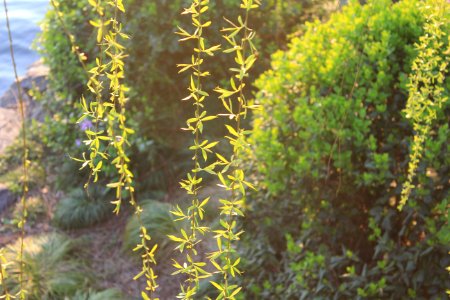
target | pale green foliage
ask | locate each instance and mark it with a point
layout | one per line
(188, 241)
(426, 87)
(239, 37)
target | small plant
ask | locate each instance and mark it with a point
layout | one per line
(36, 209)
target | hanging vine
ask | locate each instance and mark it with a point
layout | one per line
(188, 241)
(25, 165)
(109, 139)
(426, 86)
(232, 176)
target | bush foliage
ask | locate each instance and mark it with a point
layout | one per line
(331, 153)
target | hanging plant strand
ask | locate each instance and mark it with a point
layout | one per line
(188, 241)
(426, 85)
(232, 177)
(70, 37)
(111, 132)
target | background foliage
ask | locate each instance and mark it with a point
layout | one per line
(155, 85)
(330, 153)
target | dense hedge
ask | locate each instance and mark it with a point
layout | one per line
(331, 154)
(156, 88)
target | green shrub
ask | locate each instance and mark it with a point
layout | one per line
(158, 220)
(330, 156)
(51, 269)
(80, 209)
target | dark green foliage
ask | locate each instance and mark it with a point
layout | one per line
(154, 53)
(80, 209)
(155, 85)
(66, 78)
(331, 151)
(158, 220)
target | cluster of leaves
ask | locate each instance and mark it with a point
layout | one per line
(240, 39)
(331, 151)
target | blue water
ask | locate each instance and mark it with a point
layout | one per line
(24, 18)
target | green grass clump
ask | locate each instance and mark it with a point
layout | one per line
(109, 294)
(51, 269)
(80, 209)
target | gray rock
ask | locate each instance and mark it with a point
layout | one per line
(6, 198)
(36, 77)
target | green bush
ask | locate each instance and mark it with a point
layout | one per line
(80, 209)
(330, 156)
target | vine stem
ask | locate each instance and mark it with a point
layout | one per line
(197, 138)
(125, 178)
(70, 37)
(236, 154)
(24, 153)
